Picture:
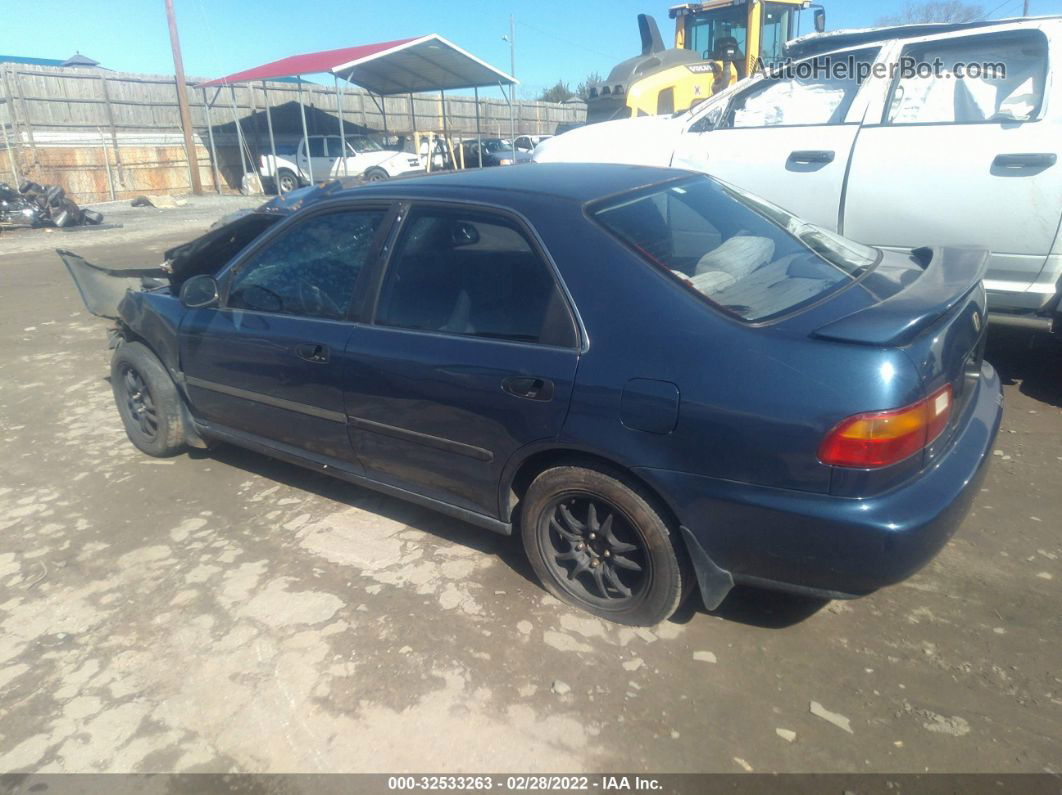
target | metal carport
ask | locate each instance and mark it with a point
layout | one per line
(404, 66)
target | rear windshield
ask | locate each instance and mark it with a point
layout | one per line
(746, 255)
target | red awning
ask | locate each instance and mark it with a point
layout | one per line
(310, 63)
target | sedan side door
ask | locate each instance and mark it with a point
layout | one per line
(268, 364)
(788, 137)
(967, 157)
(472, 356)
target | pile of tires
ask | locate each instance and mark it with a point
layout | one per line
(37, 205)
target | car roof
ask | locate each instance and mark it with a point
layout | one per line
(824, 43)
(580, 182)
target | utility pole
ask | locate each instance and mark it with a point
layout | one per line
(512, 43)
(1025, 12)
(182, 102)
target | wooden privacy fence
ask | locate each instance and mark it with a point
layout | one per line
(106, 135)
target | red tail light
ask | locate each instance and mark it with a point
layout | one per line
(880, 438)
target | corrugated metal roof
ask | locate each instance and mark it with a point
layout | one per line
(306, 64)
(426, 63)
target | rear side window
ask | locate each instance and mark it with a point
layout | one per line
(474, 275)
(966, 81)
(317, 147)
(745, 255)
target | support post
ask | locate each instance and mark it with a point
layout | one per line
(182, 102)
(239, 137)
(10, 102)
(412, 116)
(305, 135)
(106, 165)
(479, 142)
(383, 111)
(512, 120)
(113, 128)
(446, 132)
(272, 140)
(213, 149)
(342, 132)
(7, 144)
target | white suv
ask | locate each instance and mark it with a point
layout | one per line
(364, 158)
(937, 155)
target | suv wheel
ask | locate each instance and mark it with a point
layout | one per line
(376, 175)
(147, 401)
(596, 542)
(288, 180)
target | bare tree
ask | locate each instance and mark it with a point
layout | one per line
(583, 89)
(934, 11)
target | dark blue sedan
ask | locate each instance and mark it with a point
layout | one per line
(659, 381)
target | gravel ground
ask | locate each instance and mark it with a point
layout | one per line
(227, 612)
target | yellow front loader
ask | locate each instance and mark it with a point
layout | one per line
(716, 43)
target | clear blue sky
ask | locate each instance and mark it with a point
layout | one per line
(564, 39)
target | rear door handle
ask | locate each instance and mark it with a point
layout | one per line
(1029, 160)
(529, 387)
(312, 352)
(805, 156)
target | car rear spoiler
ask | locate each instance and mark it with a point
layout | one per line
(102, 289)
(950, 274)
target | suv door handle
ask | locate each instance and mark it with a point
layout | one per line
(312, 352)
(529, 387)
(1030, 160)
(805, 156)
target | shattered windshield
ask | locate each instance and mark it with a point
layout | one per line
(745, 255)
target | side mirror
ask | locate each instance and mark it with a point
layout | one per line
(820, 20)
(200, 292)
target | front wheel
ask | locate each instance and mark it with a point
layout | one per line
(147, 401)
(376, 175)
(596, 541)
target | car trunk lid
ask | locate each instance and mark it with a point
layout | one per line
(937, 318)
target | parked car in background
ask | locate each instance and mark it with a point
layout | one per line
(659, 380)
(527, 143)
(327, 159)
(496, 152)
(946, 155)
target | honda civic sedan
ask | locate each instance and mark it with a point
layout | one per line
(662, 383)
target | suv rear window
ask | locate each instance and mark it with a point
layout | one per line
(745, 255)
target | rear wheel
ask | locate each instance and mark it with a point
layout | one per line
(376, 175)
(287, 180)
(147, 401)
(596, 541)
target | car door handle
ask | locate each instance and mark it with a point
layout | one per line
(804, 156)
(1030, 160)
(312, 352)
(529, 387)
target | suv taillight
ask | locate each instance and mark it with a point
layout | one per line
(880, 438)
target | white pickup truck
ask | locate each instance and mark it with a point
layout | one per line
(364, 158)
(954, 150)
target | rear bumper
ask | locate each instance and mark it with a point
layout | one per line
(835, 545)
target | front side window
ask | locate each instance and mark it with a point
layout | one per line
(472, 274)
(985, 79)
(311, 269)
(744, 254)
(777, 25)
(317, 147)
(817, 91)
(705, 31)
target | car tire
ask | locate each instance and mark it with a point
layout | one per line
(147, 401)
(288, 180)
(597, 541)
(376, 175)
